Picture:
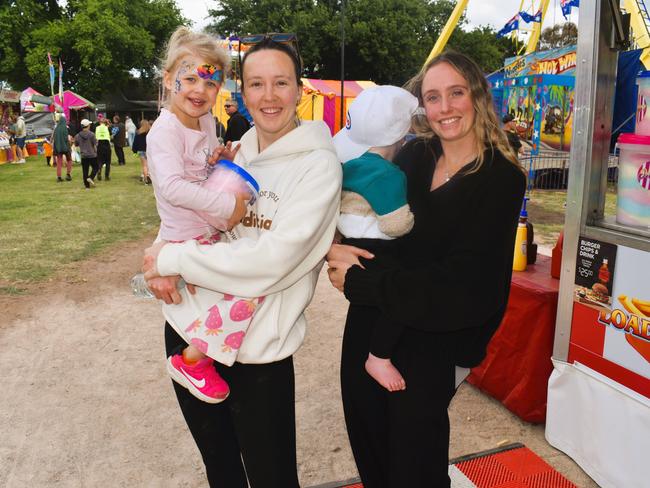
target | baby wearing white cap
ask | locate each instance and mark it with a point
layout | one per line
(374, 208)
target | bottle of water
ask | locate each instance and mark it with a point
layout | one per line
(140, 288)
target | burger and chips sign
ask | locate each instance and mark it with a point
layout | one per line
(610, 329)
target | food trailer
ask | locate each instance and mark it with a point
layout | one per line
(599, 392)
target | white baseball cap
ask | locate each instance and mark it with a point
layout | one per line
(379, 116)
(85, 122)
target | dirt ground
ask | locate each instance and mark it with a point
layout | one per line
(86, 400)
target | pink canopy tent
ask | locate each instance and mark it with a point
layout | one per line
(33, 101)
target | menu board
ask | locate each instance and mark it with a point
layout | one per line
(610, 327)
(595, 264)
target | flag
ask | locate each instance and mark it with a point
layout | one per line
(511, 25)
(60, 81)
(526, 17)
(567, 5)
(51, 65)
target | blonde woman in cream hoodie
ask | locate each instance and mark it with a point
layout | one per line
(276, 252)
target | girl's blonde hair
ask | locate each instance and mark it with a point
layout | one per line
(486, 128)
(144, 126)
(183, 42)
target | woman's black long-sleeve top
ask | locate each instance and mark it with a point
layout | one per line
(455, 266)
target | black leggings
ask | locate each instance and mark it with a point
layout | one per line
(89, 164)
(119, 153)
(255, 423)
(402, 438)
(104, 157)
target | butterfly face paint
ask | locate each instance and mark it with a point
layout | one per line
(184, 68)
(210, 72)
(193, 90)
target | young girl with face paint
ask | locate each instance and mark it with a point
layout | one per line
(182, 148)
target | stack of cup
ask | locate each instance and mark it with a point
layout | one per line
(227, 177)
(633, 199)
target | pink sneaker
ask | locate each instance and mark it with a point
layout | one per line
(201, 379)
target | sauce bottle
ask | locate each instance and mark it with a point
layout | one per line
(520, 260)
(556, 256)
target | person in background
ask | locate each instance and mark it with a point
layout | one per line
(118, 134)
(221, 130)
(139, 147)
(47, 150)
(21, 135)
(465, 188)
(103, 135)
(237, 123)
(61, 148)
(86, 141)
(510, 128)
(130, 130)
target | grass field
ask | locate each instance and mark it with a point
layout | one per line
(46, 225)
(546, 210)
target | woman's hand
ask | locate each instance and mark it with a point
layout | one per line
(342, 253)
(164, 288)
(336, 273)
(224, 152)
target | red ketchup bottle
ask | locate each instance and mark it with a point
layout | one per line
(556, 257)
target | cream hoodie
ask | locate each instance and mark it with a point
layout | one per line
(278, 249)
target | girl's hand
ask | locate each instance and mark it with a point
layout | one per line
(224, 152)
(241, 204)
(336, 273)
(342, 253)
(152, 252)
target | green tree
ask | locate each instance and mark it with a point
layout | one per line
(17, 19)
(385, 40)
(100, 42)
(483, 47)
(558, 36)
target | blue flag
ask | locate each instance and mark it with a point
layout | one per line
(566, 6)
(526, 17)
(511, 25)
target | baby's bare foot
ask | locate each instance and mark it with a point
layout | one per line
(384, 373)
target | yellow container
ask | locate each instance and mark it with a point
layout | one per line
(519, 260)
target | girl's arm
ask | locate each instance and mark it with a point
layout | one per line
(166, 162)
(299, 238)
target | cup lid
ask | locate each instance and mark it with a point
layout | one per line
(244, 174)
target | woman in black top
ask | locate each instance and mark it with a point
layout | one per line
(139, 146)
(449, 286)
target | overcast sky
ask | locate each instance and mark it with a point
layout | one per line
(479, 12)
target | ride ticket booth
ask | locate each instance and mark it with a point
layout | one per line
(599, 391)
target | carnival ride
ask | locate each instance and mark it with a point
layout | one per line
(536, 12)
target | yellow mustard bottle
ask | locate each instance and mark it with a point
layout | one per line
(519, 260)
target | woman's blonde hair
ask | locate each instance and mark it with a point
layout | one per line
(183, 42)
(144, 126)
(486, 128)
